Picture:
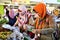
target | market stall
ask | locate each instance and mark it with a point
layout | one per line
(41, 21)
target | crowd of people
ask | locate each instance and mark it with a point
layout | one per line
(20, 20)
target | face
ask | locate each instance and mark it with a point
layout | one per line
(56, 12)
(36, 13)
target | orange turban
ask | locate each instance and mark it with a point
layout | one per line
(41, 9)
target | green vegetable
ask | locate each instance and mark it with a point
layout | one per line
(3, 20)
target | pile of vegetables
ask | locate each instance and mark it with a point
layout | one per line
(4, 35)
(3, 20)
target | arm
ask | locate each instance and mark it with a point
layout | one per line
(16, 23)
(25, 19)
(36, 23)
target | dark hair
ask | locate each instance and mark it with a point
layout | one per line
(5, 6)
(35, 11)
(7, 12)
(19, 10)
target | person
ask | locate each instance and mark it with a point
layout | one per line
(40, 9)
(5, 7)
(9, 25)
(55, 14)
(55, 17)
(22, 18)
(11, 16)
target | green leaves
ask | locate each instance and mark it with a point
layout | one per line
(3, 20)
(58, 0)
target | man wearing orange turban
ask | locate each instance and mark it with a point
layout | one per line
(40, 9)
